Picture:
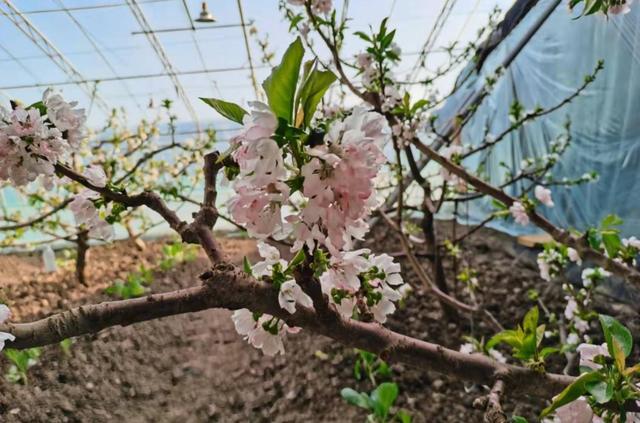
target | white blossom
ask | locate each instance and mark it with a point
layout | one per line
(5, 314)
(591, 275)
(574, 256)
(290, 294)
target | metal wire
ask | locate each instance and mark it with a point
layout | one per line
(254, 80)
(164, 59)
(92, 40)
(126, 77)
(23, 23)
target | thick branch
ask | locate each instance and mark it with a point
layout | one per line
(227, 287)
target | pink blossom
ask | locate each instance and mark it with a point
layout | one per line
(321, 6)
(30, 145)
(95, 175)
(87, 215)
(338, 180)
(620, 9)
(519, 213)
(577, 411)
(589, 352)
(365, 60)
(544, 195)
(64, 116)
(259, 209)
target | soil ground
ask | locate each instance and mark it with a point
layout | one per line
(195, 368)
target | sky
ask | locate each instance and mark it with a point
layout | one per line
(122, 53)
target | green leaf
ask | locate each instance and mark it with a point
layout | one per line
(246, 266)
(296, 260)
(135, 288)
(383, 398)
(618, 355)
(418, 105)
(362, 35)
(601, 391)
(312, 92)
(40, 106)
(530, 321)
(612, 242)
(229, 110)
(356, 398)
(548, 351)
(509, 337)
(403, 416)
(518, 419)
(614, 329)
(571, 392)
(611, 220)
(280, 86)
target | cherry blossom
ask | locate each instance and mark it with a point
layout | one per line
(543, 195)
(65, 117)
(290, 294)
(631, 242)
(32, 143)
(271, 257)
(620, 9)
(321, 6)
(343, 273)
(574, 256)
(260, 188)
(470, 348)
(448, 153)
(571, 308)
(591, 275)
(318, 6)
(86, 213)
(519, 213)
(356, 274)
(577, 411)
(96, 176)
(5, 314)
(339, 179)
(589, 352)
(264, 331)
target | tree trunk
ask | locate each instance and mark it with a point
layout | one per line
(82, 242)
(429, 231)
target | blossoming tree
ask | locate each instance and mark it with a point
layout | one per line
(311, 175)
(142, 163)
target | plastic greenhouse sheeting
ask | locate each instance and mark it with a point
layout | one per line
(605, 119)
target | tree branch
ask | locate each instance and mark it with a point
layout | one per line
(494, 412)
(227, 287)
(558, 234)
(38, 219)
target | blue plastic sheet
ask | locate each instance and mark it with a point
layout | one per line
(605, 119)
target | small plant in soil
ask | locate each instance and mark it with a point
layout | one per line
(379, 403)
(175, 253)
(21, 361)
